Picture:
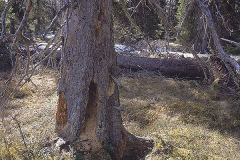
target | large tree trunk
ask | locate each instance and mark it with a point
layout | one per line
(87, 111)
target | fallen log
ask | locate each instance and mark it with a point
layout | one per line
(171, 67)
(181, 67)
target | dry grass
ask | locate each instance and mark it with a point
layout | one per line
(34, 108)
(186, 119)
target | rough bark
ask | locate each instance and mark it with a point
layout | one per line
(88, 96)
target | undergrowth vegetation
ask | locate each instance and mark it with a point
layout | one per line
(186, 119)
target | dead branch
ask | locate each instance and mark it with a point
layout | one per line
(27, 79)
(162, 15)
(224, 22)
(185, 16)
(24, 20)
(66, 6)
(3, 18)
(57, 43)
(224, 57)
(19, 35)
(56, 40)
(27, 41)
(120, 84)
(136, 7)
(134, 24)
(50, 42)
(22, 136)
(55, 48)
(232, 42)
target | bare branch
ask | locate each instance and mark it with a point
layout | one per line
(232, 42)
(27, 79)
(162, 14)
(24, 20)
(134, 24)
(136, 7)
(66, 6)
(56, 39)
(119, 84)
(3, 18)
(224, 57)
(19, 35)
(50, 42)
(185, 16)
(224, 23)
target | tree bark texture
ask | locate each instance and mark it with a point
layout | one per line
(87, 113)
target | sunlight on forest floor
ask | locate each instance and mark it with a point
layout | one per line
(186, 119)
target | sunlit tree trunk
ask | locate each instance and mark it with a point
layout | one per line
(87, 111)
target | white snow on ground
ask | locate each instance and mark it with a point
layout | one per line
(143, 51)
(120, 48)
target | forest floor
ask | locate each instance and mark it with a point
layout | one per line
(187, 119)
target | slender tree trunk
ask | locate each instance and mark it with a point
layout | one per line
(87, 111)
(12, 27)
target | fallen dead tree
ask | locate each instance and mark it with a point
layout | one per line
(181, 67)
(173, 67)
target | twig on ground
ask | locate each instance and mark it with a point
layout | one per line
(119, 83)
(23, 137)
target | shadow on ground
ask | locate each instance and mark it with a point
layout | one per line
(193, 102)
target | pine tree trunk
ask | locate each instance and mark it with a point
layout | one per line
(87, 111)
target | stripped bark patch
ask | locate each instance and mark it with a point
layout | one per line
(88, 140)
(61, 115)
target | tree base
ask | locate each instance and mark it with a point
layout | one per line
(137, 147)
